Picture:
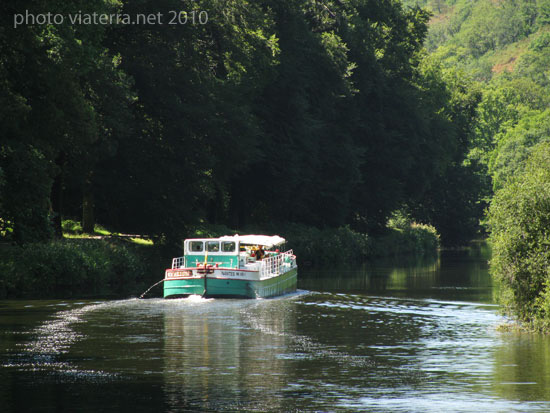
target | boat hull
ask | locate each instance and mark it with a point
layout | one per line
(214, 286)
(183, 287)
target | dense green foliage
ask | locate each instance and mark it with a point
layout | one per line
(72, 268)
(519, 219)
(315, 113)
(116, 267)
(337, 246)
(475, 34)
(504, 46)
(406, 237)
(345, 246)
(315, 120)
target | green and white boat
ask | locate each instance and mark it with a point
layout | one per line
(240, 266)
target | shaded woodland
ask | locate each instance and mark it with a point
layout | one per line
(322, 113)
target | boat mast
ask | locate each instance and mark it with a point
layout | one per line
(205, 270)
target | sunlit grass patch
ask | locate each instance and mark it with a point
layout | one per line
(100, 230)
(71, 227)
(142, 241)
(73, 230)
(75, 236)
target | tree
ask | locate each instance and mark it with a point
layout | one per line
(514, 146)
(45, 71)
(519, 218)
(195, 130)
(453, 199)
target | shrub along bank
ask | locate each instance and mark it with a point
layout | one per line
(112, 267)
(73, 268)
(343, 245)
(314, 246)
(519, 220)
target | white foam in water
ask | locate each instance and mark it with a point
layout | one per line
(57, 335)
(55, 338)
(196, 298)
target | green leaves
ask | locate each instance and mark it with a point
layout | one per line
(302, 111)
(514, 146)
(519, 219)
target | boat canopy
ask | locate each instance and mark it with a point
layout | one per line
(264, 240)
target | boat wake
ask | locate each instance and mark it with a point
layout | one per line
(53, 340)
(261, 318)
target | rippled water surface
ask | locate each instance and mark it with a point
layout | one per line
(411, 337)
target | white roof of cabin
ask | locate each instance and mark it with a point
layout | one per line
(265, 240)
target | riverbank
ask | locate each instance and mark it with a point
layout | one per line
(111, 266)
(78, 268)
(330, 246)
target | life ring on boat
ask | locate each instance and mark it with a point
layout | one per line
(205, 268)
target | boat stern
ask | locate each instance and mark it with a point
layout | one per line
(182, 283)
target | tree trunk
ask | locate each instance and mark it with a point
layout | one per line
(88, 221)
(56, 197)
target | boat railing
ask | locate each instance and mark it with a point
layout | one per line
(178, 262)
(271, 266)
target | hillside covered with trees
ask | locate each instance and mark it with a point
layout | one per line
(504, 47)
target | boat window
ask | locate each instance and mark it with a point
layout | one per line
(196, 246)
(213, 246)
(228, 246)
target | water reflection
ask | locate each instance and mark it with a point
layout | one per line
(222, 355)
(461, 274)
(522, 367)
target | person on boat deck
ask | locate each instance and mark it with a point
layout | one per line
(260, 253)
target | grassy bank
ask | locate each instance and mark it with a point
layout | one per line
(77, 268)
(116, 266)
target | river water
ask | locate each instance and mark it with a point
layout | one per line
(418, 336)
